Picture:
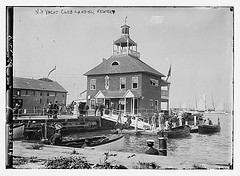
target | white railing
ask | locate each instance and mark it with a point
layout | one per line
(134, 53)
(124, 51)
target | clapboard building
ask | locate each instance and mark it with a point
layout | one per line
(34, 94)
(124, 82)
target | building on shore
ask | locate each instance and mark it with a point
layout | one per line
(124, 82)
(34, 94)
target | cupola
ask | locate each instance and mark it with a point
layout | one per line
(125, 45)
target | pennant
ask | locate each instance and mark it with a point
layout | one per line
(51, 71)
(169, 72)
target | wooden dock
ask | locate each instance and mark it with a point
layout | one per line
(129, 160)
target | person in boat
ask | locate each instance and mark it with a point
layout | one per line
(210, 122)
(151, 150)
(87, 143)
(56, 138)
(129, 120)
(166, 126)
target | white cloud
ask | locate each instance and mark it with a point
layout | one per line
(157, 19)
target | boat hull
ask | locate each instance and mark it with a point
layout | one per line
(194, 129)
(178, 132)
(111, 143)
(18, 131)
(140, 124)
(206, 129)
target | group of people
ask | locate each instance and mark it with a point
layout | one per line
(52, 110)
(99, 109)
(80, 109)
(207, 121)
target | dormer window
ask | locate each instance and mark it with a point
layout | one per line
(114, 63)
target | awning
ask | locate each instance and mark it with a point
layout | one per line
(117, 94)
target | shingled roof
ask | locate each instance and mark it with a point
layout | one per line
(34, 84)
(127, 64)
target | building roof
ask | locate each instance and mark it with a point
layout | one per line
(127, 64)
(34, 84)
(123, 41)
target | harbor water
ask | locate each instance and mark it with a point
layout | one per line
(197, 148)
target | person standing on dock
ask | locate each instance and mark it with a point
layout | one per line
(75, 109)
(55, 109)
(96, 110)
(49, 110)
(151, 150)
(154, 117)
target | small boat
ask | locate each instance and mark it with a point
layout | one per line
(111, 143)
(18, 130)
(205, 129)
(177, 132)
(194, 129)
(140, 123)
(209, 128)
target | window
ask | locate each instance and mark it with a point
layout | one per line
(125, 30)
(156, 105)
(92, 104)
(40, 101)
(63, 95)
(106, 82)
(115, 63)
(26, 92)
(18, 93)
(153, 82)
(122, 83)
(134, 82)
(151, 102)
(93, 84)
(47, 93)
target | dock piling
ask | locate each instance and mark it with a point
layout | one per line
(162, 146)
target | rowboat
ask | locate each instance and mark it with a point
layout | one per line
(209, 128)
(18, 130)
(194, 129)
(205, 129)
(114, 142)
(177, 132)
(136, 122)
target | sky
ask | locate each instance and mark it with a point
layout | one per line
(197, 41)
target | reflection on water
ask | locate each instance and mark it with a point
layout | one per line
(197, 148)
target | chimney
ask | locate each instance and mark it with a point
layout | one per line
(103, 59)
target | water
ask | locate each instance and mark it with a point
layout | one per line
(197, 148)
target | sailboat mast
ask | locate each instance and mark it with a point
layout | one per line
(196, 103)
(213, 104)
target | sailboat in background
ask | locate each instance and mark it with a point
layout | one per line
(220, 109)
(201, 105)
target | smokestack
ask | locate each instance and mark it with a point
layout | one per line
(103, 59)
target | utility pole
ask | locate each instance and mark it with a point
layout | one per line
(9, 89)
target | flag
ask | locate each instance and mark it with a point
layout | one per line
(51, 71)
(169, 72)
